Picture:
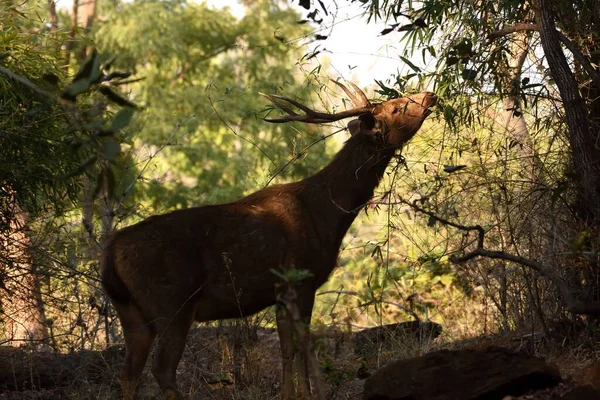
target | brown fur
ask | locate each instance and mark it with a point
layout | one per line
(215, 262)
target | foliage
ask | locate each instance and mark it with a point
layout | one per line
(60, 140)
(506, 159)
(201, 72)
(32, 146)
(127, 146)
(185, 129)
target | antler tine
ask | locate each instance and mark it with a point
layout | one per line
(361, 94)
(361, 100)
(310, 116)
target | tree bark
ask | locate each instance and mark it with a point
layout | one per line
(87, 13)
(53, 16)
(586, 157)
(512, 115)
(20, 293)
(72, 32)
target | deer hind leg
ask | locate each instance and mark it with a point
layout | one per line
(171, 343)
(138, 341)
(286, 341)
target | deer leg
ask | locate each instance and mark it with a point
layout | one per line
(304, 346)
(302, 362)
(138, 340)
(286, 341)
(171, 343)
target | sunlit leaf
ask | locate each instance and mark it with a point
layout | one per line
(410, 64)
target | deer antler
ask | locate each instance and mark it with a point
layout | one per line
(361, 100)
(361, 103)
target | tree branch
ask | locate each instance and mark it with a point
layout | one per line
(571, 303)
(572, 47)
(507, 30)
(478, 228)
(26, 82)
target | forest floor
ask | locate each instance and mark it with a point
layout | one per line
(215, 358)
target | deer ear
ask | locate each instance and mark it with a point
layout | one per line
(364, 124)
(354, 127)
(367, 122)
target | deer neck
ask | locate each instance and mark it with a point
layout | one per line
(345, 185)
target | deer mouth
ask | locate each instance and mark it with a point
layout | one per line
(429, 101)
(426, 100)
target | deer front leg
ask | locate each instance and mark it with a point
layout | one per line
(306, 362)
(286, 341)
(304, 354)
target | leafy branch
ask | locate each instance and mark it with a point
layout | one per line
(572, 304)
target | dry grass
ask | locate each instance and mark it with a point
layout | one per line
(235, 363)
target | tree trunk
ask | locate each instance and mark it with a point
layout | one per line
(20, 295)
(53, 16)
(512, 115)
(585, 154)
(71, 40)
(87, 13)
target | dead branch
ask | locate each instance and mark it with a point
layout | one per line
(572, 304)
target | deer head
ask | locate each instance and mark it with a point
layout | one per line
(391, 123)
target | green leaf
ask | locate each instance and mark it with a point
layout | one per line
(94, 124)
(431, 221)
(116, 98)
(468, 74)
(453, 168)
(111, 149)
(410, 64)
(89, 69)
(278, 274)
(122, 119)
(451, 60)
(96, 72)
(464, 47)
(377, 253)
(77, 87)
(447, 279)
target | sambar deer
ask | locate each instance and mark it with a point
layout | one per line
(217, 261)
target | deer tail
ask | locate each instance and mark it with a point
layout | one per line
(112, 282)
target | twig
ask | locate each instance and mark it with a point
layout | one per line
(148, 161)
(38, 90)
(237, 134)
(300, 154)
(478, 228)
